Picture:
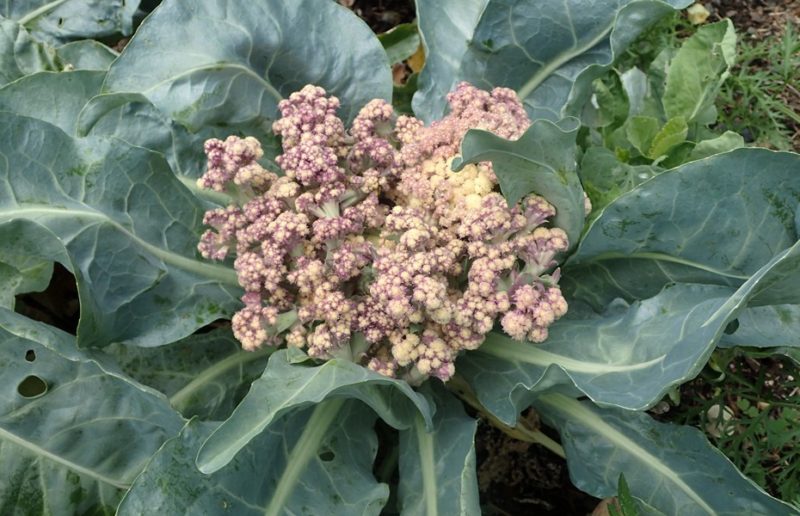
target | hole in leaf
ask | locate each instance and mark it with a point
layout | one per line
(326, 456)
(30, 355)
(32, 387)
(732, 326)
(57, 305)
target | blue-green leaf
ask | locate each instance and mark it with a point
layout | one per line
(445, 28)
(437, 468)
(74, 431)
(671, 468)
(605, 178)
(86, 54)
(766, 327)
(203, 375)
(314, 461)
(22, 269)
(55, 97)
(289, 384)
(20, 54)
(629, 357)
(549, 52)
(133, 118)
(128, 225)
(541, 161)
(716, 220)
(230, 62)
(58, 21)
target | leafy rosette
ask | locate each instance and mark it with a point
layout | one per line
(368, 246)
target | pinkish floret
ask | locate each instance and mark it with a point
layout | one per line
(370, 237)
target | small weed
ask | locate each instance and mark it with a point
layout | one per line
(760, 430)
(761, 98)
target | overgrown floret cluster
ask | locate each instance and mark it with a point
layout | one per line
(369, 246)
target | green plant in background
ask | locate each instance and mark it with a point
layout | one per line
(141, 413)
(754, 96)
(641, 122)
(751, 418)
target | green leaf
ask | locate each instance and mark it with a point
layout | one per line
(626, 502)
(629, 357)
(549, 52)
(129, 228)
(20, 54)
(287, 385)
(542, 161)
(134, 119)
(304, 464)
(437, 468)
(247, 56)
(58, 21)
(403, 94)
(766, 327)
(716, 221)
(21, 270)
(203, 375)
(55, 97)
(605, 178)
(673, 133)
(445, 29)
(74, 431)
(727, 141)
(401, 42)
(641, 94)
(671, 468)
(698, 70)
(609, 106)
(86, 54)
(641, 131)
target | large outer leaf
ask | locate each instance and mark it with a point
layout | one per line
(74, 448)
(542, 161)
(134, 119)
(320, 470)
(55, 97)
(203, 375)
(716, 220)
(549, 52)
(445, 27)
(287, 385)
(627, 359)
(128, 225)
(28, 253)
(672, 468)
(437, 468)
(221, 61)
(20, 54)
(65, 20)
(766, 327)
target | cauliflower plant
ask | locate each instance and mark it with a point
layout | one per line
(369, 246)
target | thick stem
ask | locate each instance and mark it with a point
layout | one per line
(520, 431)
(302, 452)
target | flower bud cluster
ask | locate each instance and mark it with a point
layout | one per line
(369, 237)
